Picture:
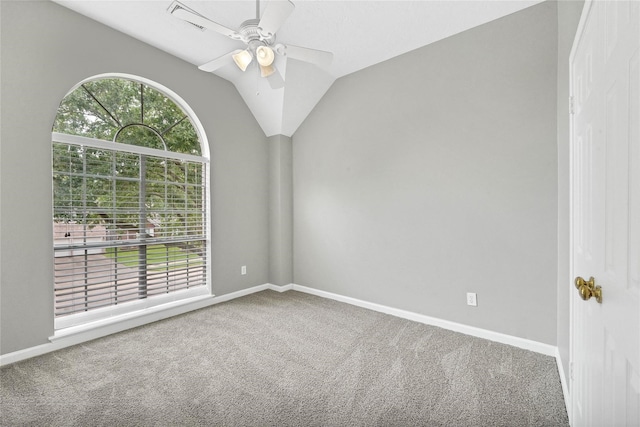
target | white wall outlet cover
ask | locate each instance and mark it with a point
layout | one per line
(472, 299)
(243, 270)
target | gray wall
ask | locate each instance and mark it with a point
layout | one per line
(280, 210)
(435, 174)
(568, 17)
(46, 50)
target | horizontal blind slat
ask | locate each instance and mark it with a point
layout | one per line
(97, 283)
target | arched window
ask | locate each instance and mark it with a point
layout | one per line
(130, 200)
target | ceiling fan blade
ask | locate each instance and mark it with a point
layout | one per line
(276, 12)
(181, 11)
(219, 62)
(275, 80)
(314, 56)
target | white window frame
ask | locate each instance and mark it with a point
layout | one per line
(132, 309)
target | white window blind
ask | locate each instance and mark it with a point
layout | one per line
(129, 223)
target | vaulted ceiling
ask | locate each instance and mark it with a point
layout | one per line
(359, 33)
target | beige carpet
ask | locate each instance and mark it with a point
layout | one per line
(287, 359)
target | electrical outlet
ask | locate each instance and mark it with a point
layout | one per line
(243, 270)
(472, 299)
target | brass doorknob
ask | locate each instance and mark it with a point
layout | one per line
(588, 289)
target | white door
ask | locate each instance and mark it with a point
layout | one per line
(605, 242)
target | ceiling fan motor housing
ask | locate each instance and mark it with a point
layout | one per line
(251, 32)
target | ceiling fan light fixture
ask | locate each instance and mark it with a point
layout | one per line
(243, 59)
(266, 71)
(265, 56)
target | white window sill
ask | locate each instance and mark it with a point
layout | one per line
(110, 325)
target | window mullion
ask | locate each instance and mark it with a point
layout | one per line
(186, 213)
(114, 221)
(142, 225)
(165, 208)
(84, 229)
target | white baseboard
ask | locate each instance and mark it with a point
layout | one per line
(538, 347)
(277, 288)
(79, 334)
(84, 333)
(565, 386)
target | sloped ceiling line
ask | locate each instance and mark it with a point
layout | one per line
(359, 33)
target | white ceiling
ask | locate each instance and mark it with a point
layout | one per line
(359, 33)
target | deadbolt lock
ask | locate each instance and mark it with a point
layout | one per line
(588, 289)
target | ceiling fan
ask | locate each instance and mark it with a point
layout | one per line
(259, 36)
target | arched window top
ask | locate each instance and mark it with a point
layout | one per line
(128, 111)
